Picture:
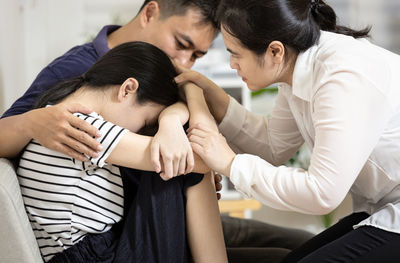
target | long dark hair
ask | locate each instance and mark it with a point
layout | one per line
(150, 66)
(295, 23)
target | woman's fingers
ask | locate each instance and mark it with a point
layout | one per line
(197, 148)
(200, 127)
(202, 141)
(198, 133)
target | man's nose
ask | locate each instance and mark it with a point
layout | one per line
(184, 59)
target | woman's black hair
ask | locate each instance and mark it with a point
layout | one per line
(295, 23)
(150, 66)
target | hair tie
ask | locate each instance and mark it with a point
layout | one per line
(314, 4)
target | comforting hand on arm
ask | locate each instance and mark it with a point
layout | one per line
(217, 99)
(54, 127)
(200, 117)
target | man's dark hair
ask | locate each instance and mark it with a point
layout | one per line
(169, 8)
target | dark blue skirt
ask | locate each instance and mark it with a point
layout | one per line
(154, 225)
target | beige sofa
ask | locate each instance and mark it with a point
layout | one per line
(17, 242)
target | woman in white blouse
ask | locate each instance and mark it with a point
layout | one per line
(339, 94)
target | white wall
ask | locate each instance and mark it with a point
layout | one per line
(34, 32)
(12, 53)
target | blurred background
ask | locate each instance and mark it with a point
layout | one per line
(34, 32)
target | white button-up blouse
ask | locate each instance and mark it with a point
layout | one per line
(345, 104)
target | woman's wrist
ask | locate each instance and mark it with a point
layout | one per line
(228, 168)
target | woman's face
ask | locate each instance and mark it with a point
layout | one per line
(257, 72)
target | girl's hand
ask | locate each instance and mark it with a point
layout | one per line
(172, 146)
(212, 147)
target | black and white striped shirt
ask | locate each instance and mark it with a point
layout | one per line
(66, 199)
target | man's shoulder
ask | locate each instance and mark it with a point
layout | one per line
(75, 61)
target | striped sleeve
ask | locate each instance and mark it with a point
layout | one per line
(111, 134)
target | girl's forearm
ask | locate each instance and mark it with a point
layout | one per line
(178, 111)
(133, 151)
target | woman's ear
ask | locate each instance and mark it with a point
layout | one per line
(127, 89)
(149, 13)
(276, 52)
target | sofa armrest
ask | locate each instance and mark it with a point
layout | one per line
(18, 243)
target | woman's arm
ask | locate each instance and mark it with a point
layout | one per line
(275, 139)
(199, 112)
(217, 99)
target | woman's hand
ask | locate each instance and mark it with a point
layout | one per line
(58, 129)
(216, 98)
(172, 145)
(197, 78)
(212, 147)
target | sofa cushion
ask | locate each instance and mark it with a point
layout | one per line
(18, 243)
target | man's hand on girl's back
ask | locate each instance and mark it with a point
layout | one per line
(58, 129)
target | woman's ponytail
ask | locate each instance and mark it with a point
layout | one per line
(326, 19)
(295, 23)
(60, 91)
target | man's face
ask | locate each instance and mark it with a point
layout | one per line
(182, 38)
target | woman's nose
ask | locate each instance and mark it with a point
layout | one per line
(234, 65)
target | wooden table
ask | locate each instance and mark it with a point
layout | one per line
(237, 207)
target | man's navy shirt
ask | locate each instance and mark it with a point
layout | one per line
(73, 63)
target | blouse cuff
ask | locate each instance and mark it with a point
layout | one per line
(241, 175)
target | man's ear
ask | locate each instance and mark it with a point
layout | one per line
(149, 13)
(127, 89)
(276, 52)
